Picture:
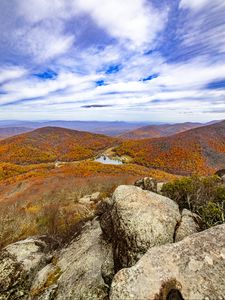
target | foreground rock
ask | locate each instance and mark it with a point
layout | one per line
(133, 222)
(140, 220)
(189, 224)
(19, 262)
(77, 272)
(191, 269)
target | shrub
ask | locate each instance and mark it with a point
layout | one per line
(202, 195)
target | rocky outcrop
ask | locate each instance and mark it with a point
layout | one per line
(19, 262)
(76, 273)
(135, 229)
(193, 269)
(140, 220)
(189, 224)
(147, 183)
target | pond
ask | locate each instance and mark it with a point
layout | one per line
(108, 161)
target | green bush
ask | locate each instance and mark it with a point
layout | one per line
(202, 195)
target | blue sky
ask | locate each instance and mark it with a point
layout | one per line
(132, 60)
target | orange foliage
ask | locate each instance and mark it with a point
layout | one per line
(50, 144)
(156, 131)
(200, 150)
(11, 173)
(43, 199)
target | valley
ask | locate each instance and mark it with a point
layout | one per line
(55, 181)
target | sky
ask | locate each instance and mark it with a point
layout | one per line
(131, 60)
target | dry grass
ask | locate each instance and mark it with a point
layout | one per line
(42, 199)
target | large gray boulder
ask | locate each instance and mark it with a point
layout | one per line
(191, 269)
(19, 263)
(140, 220)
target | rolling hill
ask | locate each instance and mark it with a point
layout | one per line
(155, 131)
(49, 144)
(200, 150)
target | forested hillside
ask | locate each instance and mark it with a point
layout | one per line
(200, 150)
(49, 144)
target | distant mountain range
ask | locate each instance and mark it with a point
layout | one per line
(200, 150)
(49, 144)
(124, 130)
(100, 127)
(154, 131)
(11, 131)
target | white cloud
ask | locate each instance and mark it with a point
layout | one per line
(199, 4)
(11, 73)
(43, 44)
(180, 87)
(134, 21)
(194, 74)
(194, 4)
(35, 11)
(43, 30)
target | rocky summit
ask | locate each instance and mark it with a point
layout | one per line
(139, 246)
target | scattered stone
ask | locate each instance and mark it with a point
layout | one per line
(95, 196)
(89, 199)
(160, 186)
(147, 183)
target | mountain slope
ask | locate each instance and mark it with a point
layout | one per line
(52, 143)
(155, 131)
(200, 150)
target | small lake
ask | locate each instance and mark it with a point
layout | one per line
(108, 161)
